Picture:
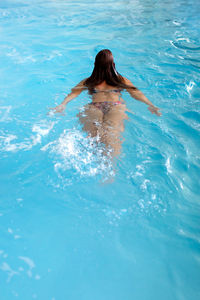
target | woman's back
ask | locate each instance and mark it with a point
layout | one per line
(104, 92)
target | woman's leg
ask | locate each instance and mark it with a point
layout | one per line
(113, 126)
(91, 119)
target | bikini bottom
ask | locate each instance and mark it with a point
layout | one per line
(105, 106)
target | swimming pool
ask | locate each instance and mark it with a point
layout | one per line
(67, 231)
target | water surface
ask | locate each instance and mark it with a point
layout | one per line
(67, 232)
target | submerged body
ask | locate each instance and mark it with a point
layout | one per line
(104, 117)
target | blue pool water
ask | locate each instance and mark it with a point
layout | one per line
(67, 231)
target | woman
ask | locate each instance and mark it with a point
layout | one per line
(104, 116)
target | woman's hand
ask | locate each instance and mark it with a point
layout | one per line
(154, 110)
(58, 109)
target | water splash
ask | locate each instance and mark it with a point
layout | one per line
(84, 156)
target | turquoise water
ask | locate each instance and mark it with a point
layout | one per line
(67, 232)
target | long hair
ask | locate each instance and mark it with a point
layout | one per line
(104, 70)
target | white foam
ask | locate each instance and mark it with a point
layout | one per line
(4, 113)
(190, 86)
(176, 23)
(10, 230)
(74, 151)
(28, 261)
(43, 128)
(20, 58)
(6, 268)
(144, 184)
(30, 264)
(40, 130)
(5, 142)
(52, 55)
(183, 39)
(168, 165)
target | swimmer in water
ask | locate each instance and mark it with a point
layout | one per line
(104, 116)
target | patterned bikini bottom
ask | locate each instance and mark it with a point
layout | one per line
(106, 105)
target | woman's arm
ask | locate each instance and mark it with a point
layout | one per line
(75, 91)
(138, 95)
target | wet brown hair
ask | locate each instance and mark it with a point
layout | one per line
(104, 70)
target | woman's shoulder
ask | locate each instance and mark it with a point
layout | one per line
(81, 84)
(128, 82)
